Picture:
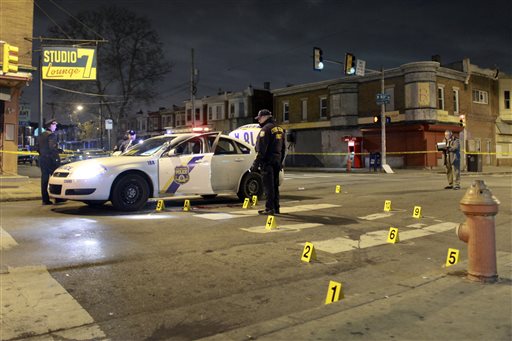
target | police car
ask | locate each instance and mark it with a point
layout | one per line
(205, 164)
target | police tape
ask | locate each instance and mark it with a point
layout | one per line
(400, 153)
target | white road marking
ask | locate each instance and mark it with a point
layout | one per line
(294, 209)
(6, 241)
(215, 216)
(33, 303)
(376, 238)
(377, 216)
(281, 228)
(417, 225)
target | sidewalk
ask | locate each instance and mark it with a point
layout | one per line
(19, 187)
(440, 306)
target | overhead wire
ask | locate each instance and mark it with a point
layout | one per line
(51, 19)
(75, 18)
(80, 92)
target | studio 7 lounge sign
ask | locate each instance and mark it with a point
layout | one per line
(68, 63)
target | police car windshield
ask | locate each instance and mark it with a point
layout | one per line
(149, 147)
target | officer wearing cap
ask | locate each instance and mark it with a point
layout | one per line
(49, 159)
(128, 142)
(270, 148)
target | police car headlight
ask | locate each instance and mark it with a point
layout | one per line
(89, 171)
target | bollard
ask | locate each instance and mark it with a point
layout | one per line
(480, 208)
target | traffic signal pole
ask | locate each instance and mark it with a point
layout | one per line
(382, 120)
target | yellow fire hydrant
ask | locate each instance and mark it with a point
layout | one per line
(480, 208)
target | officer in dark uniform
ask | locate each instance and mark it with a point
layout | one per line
(128, 141)
(270, 148)
(49, 159)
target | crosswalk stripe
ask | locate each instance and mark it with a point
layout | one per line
(375, 238)
(376, 216)
(6, 241)
(293, 209)
(34, 303)
(281, 228)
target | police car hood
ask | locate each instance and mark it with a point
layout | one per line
(108, 162)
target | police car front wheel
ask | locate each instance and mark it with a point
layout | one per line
(130, 193)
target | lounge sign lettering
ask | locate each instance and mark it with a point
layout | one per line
(68, 63)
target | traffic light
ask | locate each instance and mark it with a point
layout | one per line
(350, 64)
(376, 119)
(10, 61)
(462, 120)
(318, 60)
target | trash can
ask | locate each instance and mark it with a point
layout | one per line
(474, 162)
(375, 161)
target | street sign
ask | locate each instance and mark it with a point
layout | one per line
(109, 124)
(360, 66)
(383, 98)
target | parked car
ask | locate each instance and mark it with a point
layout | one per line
(177, 164)
(25, 158)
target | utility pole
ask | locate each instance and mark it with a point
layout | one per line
(101, 125)
(193, 91)
(382, 120)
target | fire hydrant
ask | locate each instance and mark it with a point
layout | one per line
(480, 208)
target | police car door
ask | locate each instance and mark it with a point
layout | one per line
(186, 169)
(229, 163)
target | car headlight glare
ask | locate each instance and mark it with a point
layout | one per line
(88, 171)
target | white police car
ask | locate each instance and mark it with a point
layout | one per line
(177, 164)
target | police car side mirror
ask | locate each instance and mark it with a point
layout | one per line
(172, 152)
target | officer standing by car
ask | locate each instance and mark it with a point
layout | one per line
(270, 148)
(49, 159)
(128, 141)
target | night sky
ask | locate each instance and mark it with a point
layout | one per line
(249, 42)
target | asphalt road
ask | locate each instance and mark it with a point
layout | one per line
(185, 275)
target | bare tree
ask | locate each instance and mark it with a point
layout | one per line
(130, 65)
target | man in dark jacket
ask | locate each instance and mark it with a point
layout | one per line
(270, 148)
(452, 160)
(49, 159)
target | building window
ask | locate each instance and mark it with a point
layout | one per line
(286, 111)
(507, 99)
(455, 101)
(231, 110)
(241, 109)
(210, 113)
(480, 96)
(189, 114)
(391, 105)
(304, 109)
(440, 97)
(323, 107)
(218, 112)
(198, 115)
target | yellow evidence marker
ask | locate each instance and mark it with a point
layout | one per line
(246, 203)
(160, 205)
(271, 223)
(338, 189)
(453, 257)
(393, 235)
(186, 206)
(334, 292)
(387, 205)
(308, 253)
(254, 200)
(416, 212)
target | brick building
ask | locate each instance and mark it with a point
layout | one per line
(337, 116)
(16, 23)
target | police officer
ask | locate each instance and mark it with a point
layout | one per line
(128, 142)
(270, 148)
(452, 160)
(49, 159)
